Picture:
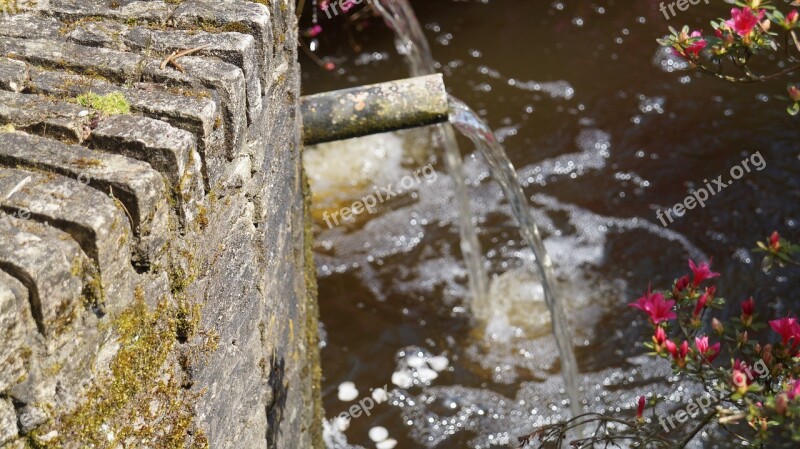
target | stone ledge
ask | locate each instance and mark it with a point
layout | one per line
(140, 189)
(91, 218)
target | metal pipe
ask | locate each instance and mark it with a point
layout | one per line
(374, 109)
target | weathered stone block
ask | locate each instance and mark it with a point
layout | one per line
(91, 218)
(232, 15)
(41, 115)
(225, 79)
(8, 421)
(16, 326)
(54, 292)
(137, 186)
(234, 48)
(13, 75)
(169, 150)
(193, 110)
(111, 64)
(126, 10)
(29, 26)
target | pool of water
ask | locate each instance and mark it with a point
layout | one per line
(605, 129)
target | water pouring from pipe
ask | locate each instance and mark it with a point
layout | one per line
(411, 42)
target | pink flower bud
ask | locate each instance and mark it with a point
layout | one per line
(781, 404)
(794, 92)
(718, 327)
(792, 17)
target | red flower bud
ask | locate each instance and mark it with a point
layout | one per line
(775, 241)
(748, 309)
(640, 408)
(794, 92)
(792, 17)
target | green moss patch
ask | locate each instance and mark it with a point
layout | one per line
(110, 104)
(142, 402)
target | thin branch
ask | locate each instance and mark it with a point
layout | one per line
(170, 60)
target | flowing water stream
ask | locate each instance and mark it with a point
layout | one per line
(411, 42)
(468, 122)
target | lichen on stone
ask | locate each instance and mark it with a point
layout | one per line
(113, 103)
(312, 317)
(8, 7)
(141, 401)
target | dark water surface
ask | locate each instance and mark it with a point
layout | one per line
(603, 133)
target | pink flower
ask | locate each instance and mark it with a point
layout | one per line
(706, 352)
(313, 31)
(655, 306)
(348, 4)
(788, 329)
(702, 272)
(640, 408)
(697, 46)
(741, 378)
(794, 390)
(748, 307)
(744, 21)
(680, 285)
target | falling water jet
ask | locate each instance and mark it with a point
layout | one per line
(471, 126)
(412, 44)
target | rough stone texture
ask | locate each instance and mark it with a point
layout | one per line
(111, 64)
(104, 234)
(16, 326)
(140, 188)
(192, 206)
(8, 422)
(192, 110)
(234, 15)
(169, 150)
(13, 75)
(29, 25)
(37, 114)
(226, 80)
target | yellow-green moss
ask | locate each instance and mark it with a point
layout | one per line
(87, 163)
(110, 104)
(8, 6)
(8, 128)
(121, 407)
(312, 319)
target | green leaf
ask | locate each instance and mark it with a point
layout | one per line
(793, 109)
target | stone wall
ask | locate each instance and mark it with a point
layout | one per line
(156, 285)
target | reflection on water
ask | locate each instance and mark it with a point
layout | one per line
(630, 137)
